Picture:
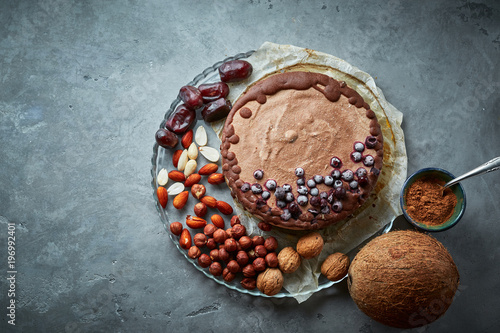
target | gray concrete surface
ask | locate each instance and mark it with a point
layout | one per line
(84, 86)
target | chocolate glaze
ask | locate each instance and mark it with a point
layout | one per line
(332, 90)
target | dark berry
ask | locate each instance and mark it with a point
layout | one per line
(260, 203)
(368, 161)
(356, 156)
(245, 187)
(258, 174)
(270, 184)
(361, 172)
(325, 209)
(363, 180)
(315, 201)
(314, 191)
(302, 200)
(256, 188)
(287, 187)
(281, 203)
(336, 174)
(336, 162)
(324, 203)
(323, 195)
(318, 179)
(301, 181)
(289, 197)
(279, 193)
(331, 197)
(337, 206)
(266, 195)
(299, 172)
(340, 192)
(353, 184)
(371, 141)
(359, 146)
(313, 211)
(338, 183)
(311, 183)
(347, 175)
(329, 180)
(375, 171)
(302, 190)
(286, 215)
(295, 209)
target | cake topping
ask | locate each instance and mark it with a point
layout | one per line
(299, 172)
(358, 146)
(336, 162)
(245, 113)
(258, 174)
(271, 184)
(371, 141)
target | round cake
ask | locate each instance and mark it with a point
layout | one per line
(301, 150)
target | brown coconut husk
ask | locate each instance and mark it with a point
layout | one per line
(403, 279)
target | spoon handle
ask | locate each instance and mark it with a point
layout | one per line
(491, 165)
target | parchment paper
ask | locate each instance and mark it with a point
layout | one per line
(382, 206)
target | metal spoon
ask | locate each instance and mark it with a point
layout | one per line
(489, 166)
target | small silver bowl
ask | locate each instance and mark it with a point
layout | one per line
(457, 189)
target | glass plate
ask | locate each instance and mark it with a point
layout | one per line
(162, 158)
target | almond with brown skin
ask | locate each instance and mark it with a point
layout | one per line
(209, 201)
(192, 179)
(175, 157)
(208, 169)
(187, 139)
(198, 191)
(195, 222)
(185, 239)
(176, 176)
(180, 200)
(217, 220)
(216, 178)
(224, 207)
(162, 195)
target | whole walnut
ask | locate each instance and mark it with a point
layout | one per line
(335, 266)
(270, 281)
(289, 260)
(310, 245)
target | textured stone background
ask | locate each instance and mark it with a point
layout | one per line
(84, 86)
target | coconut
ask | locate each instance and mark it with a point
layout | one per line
(403, 279)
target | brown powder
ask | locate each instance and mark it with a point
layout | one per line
(426, 204)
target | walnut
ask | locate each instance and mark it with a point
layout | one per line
(310, 245)
(289, 260)
(335, 266)
(270, 281)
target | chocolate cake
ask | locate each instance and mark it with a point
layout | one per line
(301, 150)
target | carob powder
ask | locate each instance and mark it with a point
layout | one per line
(426, 203)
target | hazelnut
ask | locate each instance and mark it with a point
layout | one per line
(251, 255)
(335, 266)
(248, 271)
(214, 255)
(264, 226)
(229, 232)
(242, 258)
(194, 252)
(270, 281)
(245, 242)
(271, 244)
(260, 251)
(227, 275)
(200, 209)
(259, 264)
(233, 266)
(258, 240)
(223, 255)
(235, 220)
(271, 260)
(215, 269)
(204, 260)
(310, 245)
(211, 244)
(220, 236)
(239, 230)
(289, 260)
(198, 190)
(200, 239)
(231, 245)
(248, 283)
(176, 228)
(209, 230)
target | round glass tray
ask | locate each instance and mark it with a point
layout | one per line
(162, 158)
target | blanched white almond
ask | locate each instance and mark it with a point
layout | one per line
(210, 153)
(162, 178)
(193, 151)
(175, 188)
(190, 167)
(183, 159)
(201, 136)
